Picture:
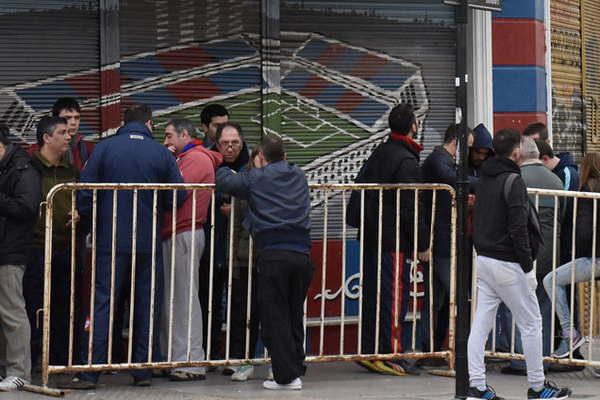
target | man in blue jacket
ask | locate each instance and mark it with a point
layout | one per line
(130, 156)
(279, 220)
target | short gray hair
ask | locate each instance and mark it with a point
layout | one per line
(529, 150)
(181, 124)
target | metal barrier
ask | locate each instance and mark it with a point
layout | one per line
(322, 320)
(555, 201)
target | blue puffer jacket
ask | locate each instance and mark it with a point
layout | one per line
(279, 204)
(129, 156)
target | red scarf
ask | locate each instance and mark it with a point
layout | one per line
(398, 137)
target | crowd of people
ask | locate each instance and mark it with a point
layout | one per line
(176, 290)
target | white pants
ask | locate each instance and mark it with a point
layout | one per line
(501, 281)
(186, 280)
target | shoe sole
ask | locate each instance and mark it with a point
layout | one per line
(575, 347)
(286, 388)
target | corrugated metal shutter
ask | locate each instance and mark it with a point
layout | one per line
(50, 49)
(345, 65)
(591, 65)
(177, 56)
(567, 107)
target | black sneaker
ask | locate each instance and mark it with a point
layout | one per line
(487, 394)
(550, 391)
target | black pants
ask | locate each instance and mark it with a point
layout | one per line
(283, 281)
(219, 279)
(239, 308)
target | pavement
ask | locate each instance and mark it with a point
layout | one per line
(331, 381)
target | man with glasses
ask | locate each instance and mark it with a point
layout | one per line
(229, 141)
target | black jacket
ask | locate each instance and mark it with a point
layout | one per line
(394, 161)
(585, 223)
(507, 231)
(20, 195)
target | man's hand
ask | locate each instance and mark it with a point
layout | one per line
(74, 218)
(423, 256)
(226, 209)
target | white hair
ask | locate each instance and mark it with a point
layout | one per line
(529, 150)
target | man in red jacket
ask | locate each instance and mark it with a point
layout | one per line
(182, 237)
(80, 150)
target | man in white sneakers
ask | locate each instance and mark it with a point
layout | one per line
(507, 241)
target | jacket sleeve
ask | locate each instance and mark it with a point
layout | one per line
(518, 204)
(235, 184)
(24, 203)
(444, 172)
(90, 174)
(410, 172)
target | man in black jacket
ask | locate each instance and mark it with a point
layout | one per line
(507, 237)
(441, 167)
(394, 161)
(19, 204)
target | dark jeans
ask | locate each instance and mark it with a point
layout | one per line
(283, 281)
(239, 318)
(441, 287)
(33, 291)
(219, 279)
(141, 319)
(389, 332)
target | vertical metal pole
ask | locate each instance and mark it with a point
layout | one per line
(464, 261)
(153, 274)
(230, 277)
(132, 284)
(93, 279)
(72, 283)
(324, 274)
(360, 269)
(193, 266)
(47, 291)
(113, 267)
(343, 293)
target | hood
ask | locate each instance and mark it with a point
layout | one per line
(495, 166)
(566, 160)
(482, 137)
(14, 155)
(215, 157)
(133, 128)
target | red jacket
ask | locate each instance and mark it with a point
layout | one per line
(81, 150)
(197, 165)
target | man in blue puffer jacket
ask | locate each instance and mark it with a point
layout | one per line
(129, 156)
(279, 221)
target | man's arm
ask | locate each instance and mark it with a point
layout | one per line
(173, 176)
(24, 204)
(235, 184)
(518, 208)
(90, 174)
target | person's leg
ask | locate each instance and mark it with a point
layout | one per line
(298, 286)
(142, 309)
(483, 322)
(583, 272)
(519, 296)
(369, 294)
(239, 302)
(33, 292)
(101, 315)
(14, 322)
(441, 293)
(60, 307)
(274, 271)
(386, 302)
(181, 302)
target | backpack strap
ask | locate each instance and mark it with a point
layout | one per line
(508, 183)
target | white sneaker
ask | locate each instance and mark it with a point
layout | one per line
(243, 373)
(296, 384)
(12, 383)
(270, 376)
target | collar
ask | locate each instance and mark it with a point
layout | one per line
(188, 146)
(398, 137)
(531, 162)
(63, 161)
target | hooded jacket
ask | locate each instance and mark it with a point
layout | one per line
(197, 165)
(20, 197)
(505, 230)
(568, 173)
(278, 204)
(482, 139)
(130, 156)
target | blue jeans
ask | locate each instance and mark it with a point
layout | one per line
(583, 272)
(141, 316)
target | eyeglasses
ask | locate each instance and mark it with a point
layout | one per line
(234, 144)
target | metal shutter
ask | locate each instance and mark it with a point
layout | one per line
(591, 66)
(50, 49)
(177, 56)
(567, 105)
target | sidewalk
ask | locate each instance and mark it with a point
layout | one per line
(324, 382)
